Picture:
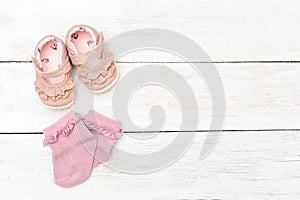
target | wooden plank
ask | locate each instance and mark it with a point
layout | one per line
(243, 165)
(231, 30)
(258, 96)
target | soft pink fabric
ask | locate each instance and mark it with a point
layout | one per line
(72, 163)
(107, 131)
(54, 80)
(80, 143)
(94, 63)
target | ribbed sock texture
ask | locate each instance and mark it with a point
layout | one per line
(107, 131)
(72, 163)
(80, 143)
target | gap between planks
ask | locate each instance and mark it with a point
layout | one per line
(183, 62)
(186, 131)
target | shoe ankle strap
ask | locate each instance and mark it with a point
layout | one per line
(79, 59)
(63, 69)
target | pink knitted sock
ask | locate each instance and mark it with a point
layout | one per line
(107, 131)
(72, 162)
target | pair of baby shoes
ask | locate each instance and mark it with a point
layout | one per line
(53, 60)
(80, 143)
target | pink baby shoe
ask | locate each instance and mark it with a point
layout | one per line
(68, 138)
(95, 64)
(54, 81)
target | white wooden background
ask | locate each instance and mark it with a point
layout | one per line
(256, 47)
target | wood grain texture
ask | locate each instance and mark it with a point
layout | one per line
(258, 96)
(256, 46)
(228, 30)
(243, 165)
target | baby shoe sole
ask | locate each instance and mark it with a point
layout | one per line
(56, 108)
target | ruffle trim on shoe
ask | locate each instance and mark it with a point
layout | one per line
(54, 92)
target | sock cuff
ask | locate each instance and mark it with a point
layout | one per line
(93, 115)
(63, 126)
(103, 125)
